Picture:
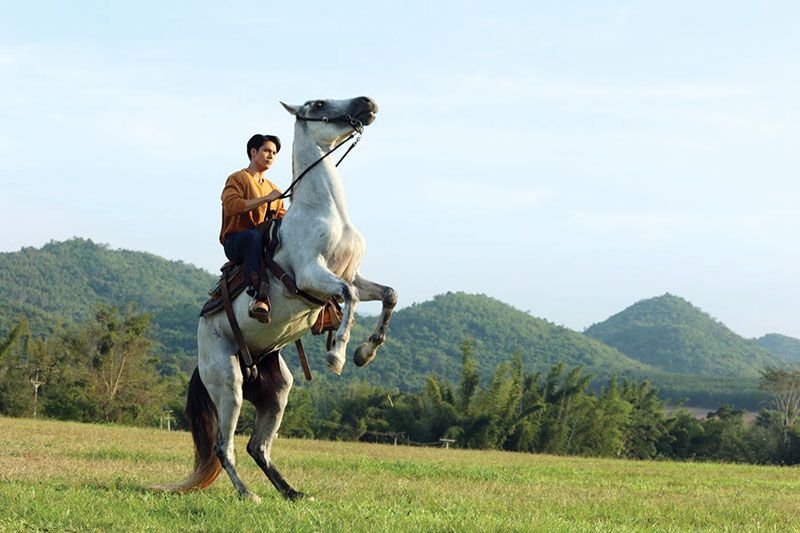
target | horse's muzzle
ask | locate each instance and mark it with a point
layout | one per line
(366, 110)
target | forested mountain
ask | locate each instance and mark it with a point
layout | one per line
(426, 339)
(671, 334)
(785, 348)
(63, 281)
(679, 348)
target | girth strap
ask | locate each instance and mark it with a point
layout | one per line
(250, 369)
(301, 353)
(288, 282)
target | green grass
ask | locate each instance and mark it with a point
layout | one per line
(66, 476)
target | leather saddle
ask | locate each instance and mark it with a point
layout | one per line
(233, 273)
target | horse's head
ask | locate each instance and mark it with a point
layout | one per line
(329, 121)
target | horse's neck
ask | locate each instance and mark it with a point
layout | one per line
(321, 189)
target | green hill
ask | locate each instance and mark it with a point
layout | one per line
(63, 281)
(426, 338)
(672, 335)
(785, 348)
(679, 348)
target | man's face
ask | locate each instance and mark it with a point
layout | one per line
(265, 156)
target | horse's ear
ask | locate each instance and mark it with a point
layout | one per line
(293, 109)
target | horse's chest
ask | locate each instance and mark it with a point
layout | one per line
(346, 253)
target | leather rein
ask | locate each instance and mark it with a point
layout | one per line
(358, 129)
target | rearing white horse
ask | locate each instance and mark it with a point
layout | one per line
(322, 249)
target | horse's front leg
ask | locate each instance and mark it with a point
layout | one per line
(369, 291)
(316, 278)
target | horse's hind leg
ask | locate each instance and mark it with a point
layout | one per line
(224, 384)
(269, 395)
(369, 291)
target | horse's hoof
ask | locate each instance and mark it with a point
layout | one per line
(249, 496)
(335, 363)
(295, 495)
(364, 354)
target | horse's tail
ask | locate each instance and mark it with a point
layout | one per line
(203, 422)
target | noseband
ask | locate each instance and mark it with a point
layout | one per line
(358, 129)
(356, 124)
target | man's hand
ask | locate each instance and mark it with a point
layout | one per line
(272, 196)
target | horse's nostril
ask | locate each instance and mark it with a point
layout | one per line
(368, 102)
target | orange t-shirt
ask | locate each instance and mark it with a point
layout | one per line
(241, 186)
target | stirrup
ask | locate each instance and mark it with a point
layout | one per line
(259, 312)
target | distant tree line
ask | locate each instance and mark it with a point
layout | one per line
(554, 412)
(103, 370)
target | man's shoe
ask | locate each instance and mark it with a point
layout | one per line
(260, 311)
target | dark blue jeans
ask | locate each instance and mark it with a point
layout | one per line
(246, 244)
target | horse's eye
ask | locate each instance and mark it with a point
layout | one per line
(319, 104)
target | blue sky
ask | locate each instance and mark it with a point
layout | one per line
(566, 158)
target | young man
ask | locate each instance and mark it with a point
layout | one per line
(246, 200)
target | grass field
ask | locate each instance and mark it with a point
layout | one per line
(66, 476)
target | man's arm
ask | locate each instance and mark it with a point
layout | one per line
(249, 205)
(234, 203)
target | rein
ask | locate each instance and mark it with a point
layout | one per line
(358, 128)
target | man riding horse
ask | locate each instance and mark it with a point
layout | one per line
(249, 199)
(320, 254)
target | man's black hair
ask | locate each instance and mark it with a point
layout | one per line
(258, 140)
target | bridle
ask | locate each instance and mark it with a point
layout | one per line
(358, 129)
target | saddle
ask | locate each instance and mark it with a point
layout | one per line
(232, 282)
